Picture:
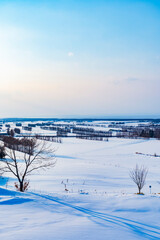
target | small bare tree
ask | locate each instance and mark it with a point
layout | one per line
(138, 175)
(37, 156)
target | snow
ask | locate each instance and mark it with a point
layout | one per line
(100, 202)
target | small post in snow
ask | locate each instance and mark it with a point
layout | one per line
(150, 188)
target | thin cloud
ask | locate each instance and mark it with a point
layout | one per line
(126, 80)
(70, 54)
(131, 79)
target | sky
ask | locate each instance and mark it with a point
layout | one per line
(80, 58)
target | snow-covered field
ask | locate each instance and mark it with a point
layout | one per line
(100, 202)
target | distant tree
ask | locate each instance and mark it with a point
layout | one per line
(8, 131)
(2, 152)
(151, 133)
(37, 156)
(17, 130)
(138, 175)
(12, 133)
(157, 133)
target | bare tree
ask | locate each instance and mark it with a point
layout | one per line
(138, 175)
(36, 156)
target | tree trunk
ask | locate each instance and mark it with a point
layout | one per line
(139, 191)
(21, 187)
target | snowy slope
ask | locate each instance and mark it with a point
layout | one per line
(101, 203)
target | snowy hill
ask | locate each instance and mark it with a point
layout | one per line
(100, 202)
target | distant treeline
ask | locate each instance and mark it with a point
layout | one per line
(146, 132)
(22, 145)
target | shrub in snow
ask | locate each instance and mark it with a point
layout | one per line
(25, 186)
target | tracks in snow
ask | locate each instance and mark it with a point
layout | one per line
(143, 230)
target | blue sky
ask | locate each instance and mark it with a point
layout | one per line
(79, 58)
